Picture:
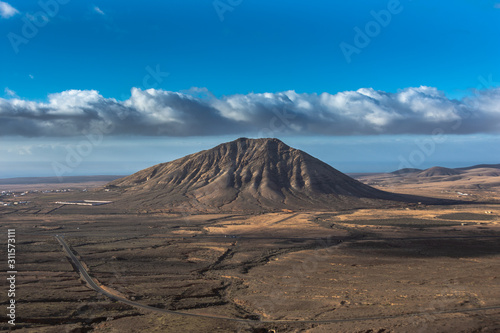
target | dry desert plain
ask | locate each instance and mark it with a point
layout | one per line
(405, 268)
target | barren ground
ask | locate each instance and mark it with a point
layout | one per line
(414, 269)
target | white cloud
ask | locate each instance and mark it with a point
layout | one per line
(9, 92)
(98, 10)
(6, 10)
(488, 101)
(153, 105)
(415, 110)
(31, 76)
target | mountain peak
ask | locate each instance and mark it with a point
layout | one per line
(246, 143)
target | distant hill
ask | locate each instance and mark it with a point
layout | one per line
(486, 169)
(247, 174)
(483, 172)
(481, 176)
(438, 171)
(406, 171)
(481, 166)
(56, 180)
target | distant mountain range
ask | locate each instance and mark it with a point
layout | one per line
(475, 170)
(481, 176)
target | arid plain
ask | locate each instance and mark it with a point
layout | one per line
(412, 268)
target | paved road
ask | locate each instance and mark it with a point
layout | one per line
(100, 290)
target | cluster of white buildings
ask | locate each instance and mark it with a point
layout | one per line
(15, 203)
(15, 194)
(57, 191)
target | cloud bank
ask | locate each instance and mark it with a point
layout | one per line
(197, 112)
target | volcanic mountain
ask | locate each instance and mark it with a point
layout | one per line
(439, 171)
(247, 175)
(406, 171)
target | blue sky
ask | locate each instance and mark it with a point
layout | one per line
(68, 68)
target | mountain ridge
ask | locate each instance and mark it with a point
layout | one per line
(438, 170)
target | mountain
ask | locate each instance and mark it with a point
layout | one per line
(480, 169)
(483, 176)
(406, 171)
(481, 166)
(438, 171)
(246, 175)
(482, 172)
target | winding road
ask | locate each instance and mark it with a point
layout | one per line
(92, 283)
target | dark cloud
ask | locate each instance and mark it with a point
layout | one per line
(163, 113)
